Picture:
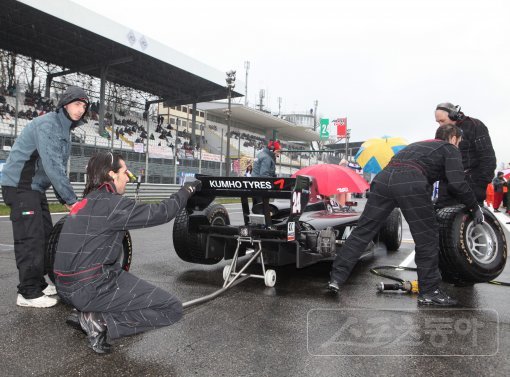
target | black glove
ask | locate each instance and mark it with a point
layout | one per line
(193, 186)
(477, 215)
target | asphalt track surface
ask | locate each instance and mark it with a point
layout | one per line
(293, 329)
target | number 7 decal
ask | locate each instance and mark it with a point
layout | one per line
(279, 182)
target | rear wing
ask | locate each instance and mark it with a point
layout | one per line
(297, 190)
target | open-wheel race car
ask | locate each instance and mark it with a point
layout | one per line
(299, 227)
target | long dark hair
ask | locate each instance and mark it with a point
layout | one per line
(98, 167)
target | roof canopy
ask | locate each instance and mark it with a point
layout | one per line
(258, 119)
(68, 35)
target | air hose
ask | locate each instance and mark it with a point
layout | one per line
(401, 285)
(495, 282)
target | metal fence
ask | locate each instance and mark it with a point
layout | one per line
(148, 191)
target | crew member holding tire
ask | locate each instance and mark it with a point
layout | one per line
(478, 157)
(112, 302)
(407, 183)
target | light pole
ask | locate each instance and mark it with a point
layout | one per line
(246, 67)
(231, 79)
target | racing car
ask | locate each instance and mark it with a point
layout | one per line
(301, 227)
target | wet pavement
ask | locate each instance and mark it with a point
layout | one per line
(293, 329)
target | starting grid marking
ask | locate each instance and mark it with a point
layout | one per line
(408, 261)
(6, 247)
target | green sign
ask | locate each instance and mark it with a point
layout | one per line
(324, 133)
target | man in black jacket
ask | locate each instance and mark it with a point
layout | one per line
(406, 183)
(478, 157)
(112, 302)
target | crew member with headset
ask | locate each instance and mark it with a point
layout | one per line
(478, 157)
(406, 183)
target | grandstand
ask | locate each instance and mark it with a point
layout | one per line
(166, 76)
(87, 139)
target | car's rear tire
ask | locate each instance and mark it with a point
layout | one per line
(127, 247)
(468, 252)
(391, 232)
(191, 246)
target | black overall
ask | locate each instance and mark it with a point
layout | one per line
(407, 183)
(87, 265)
(478, 159)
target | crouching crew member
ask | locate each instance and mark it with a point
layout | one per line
(112, 302)
(407, 183)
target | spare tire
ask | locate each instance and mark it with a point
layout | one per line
(127, 248)
(468, 252)
(191, 246)
(391, 232)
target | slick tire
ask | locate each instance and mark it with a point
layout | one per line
(391, 232)
(470, 253)
(191, 246)
(127, 249)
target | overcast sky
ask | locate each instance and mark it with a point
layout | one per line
(383, 64)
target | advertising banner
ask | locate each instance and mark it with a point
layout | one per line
(341, 127)
(161, 152)
(138, 147)
(324, 133)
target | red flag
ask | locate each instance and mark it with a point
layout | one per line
(341, 127)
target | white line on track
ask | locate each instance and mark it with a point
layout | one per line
(409, 260)
(53, 213)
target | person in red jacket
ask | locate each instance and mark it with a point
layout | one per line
(498, 183)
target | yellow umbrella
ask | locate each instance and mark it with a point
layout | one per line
(375, 154)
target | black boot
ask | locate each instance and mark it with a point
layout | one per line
(333, 286)
(95, 327)
(73, 319)
(436, 298)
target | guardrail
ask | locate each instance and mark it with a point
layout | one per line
(148, 191)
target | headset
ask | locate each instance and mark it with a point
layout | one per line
(111, 154)
(454, 112)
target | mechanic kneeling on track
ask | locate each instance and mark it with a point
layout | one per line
(407, 183)
(112, 302)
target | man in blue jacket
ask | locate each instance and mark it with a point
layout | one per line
(265, 163)
(37, 160)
